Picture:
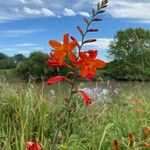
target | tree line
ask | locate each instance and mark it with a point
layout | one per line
(129, 53)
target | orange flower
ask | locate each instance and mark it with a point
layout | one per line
(131, 139)
(56, 79)
(116, 144)
(88, 63)
(53, 62)
(146, 130)
(33, 146)
(146, 145)
(86, 98)
(61, 50)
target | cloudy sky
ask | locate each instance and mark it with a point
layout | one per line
(27, 25)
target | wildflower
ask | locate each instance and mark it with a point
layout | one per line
(86, 98)
(146, 130)
(33, 146)
(116, 144)
(61, 50)
(56, 79)
(131, 139)
(88, 63)
(146, 145)
(53, 62)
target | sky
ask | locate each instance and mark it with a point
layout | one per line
(28, 25)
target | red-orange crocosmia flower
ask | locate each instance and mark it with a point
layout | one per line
(146, 145)
(53, 62)
(116, 144)
(88, 63)
(146, 130)
(131, 139)
(56, 79)
(33, 146)
(86, 98)
(62, 50)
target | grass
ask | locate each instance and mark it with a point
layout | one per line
(26, 114)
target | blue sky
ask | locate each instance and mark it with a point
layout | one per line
(28, 25)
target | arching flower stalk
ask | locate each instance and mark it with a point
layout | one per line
(83, 64)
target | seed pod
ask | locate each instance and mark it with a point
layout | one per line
(97, 19)
(93, 11)
(86, 20)
(116, 144)
(92, 30)
(131, 139)
(74, 39)
(146, 133)
(89, 41)
(104, 2)
(101, 11)
(80, 30)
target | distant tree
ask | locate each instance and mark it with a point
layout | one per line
(130, 52)
(18, 58)
(2, 56)
(6, 62)
(34, 66)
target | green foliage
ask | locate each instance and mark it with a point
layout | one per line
(28, 114)
(18, 58)
(130, 52)
(6, 62)
(34, 66)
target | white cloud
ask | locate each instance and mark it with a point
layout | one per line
(25, 45)
(137, 10)
(47, 12)
(100, 44)
(86, 14)
(12, 50)
(18, 33)
(43, 11)
(68, 12)
(37, 1)
(30, 11)
(23, 1)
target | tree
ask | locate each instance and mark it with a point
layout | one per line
(34, 66)
(130, 52)
(6, 62)
(18, 58)
(3, 56)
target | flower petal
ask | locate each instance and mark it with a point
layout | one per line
(72, 57)
(90, 74)
(73, 44)
(83, 55)
(86, 98)
(92, 53)
(131, 139)
(66, 39)
(84, 71)
(99, 63)
(33, 146)
(116, 144)
(56, 79)
(55, 44)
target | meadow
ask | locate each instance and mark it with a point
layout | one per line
(36, 112)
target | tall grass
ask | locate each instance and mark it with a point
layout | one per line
(26, 114)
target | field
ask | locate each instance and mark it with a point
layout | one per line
(32, 112)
